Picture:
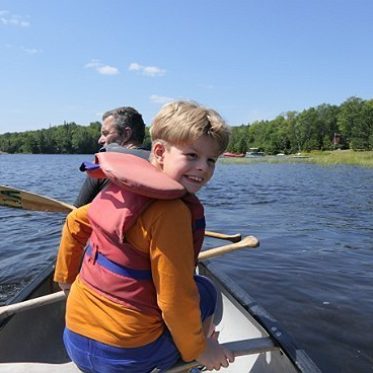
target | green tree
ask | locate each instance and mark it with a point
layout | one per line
(349, 117)
(362, 131)
(327, 116)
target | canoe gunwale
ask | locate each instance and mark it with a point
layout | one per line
(30, 289)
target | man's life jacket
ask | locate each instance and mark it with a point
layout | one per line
(111, 266)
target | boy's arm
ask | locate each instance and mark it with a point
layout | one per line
(173, 265)
(75, 235)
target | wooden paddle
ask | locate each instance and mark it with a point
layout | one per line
(249, 241)
(239, 348)
(13, 197)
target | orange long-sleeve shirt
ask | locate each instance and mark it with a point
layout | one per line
(163, 231)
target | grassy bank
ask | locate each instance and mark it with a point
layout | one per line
(343, 157)
(324, 158)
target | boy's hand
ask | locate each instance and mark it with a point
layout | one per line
(215, 355)
(65, 287)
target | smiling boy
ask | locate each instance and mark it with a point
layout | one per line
(136, 304)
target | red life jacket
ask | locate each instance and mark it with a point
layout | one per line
(114, 268)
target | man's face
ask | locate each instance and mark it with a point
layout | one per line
(109, 132)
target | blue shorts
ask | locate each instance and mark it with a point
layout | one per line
(95, 357)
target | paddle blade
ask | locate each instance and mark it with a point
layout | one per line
(16, 198)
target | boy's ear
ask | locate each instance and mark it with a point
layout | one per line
(158, 152)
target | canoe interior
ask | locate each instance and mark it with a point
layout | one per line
(244, 318)
(35, 336)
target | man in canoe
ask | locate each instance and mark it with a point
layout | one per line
(136, 304)
(122, 130)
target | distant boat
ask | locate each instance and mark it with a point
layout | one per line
(233, 155)
(255, 154)
(299, 155)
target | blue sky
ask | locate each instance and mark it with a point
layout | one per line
(72, 60)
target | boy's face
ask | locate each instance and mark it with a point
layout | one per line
(191, 165)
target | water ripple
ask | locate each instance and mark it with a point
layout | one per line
(313, 270)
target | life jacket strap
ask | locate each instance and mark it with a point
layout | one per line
(103, 261)
(199, 224)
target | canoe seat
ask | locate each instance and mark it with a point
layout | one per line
(38, 368)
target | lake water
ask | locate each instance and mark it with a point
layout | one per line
(313, 271)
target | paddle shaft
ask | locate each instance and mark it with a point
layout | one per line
(239, 348)
(229, 237)
(17, 198)
(249, 241)
(31, 303)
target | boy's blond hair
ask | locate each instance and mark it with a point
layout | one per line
(183, 122)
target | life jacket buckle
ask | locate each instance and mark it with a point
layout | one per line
(93, 254)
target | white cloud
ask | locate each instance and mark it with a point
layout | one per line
(101, 68)
(92, 64)
(107, 70)
(147, 70)
(160, 99)
(31, 50)
(24, 49)
(134, 67)
(153, 71)
(8, 19)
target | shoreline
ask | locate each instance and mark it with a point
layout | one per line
(327, 158)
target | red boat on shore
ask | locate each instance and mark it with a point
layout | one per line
(233, 155)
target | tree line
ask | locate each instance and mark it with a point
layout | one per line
(67, 138)
(325, 127)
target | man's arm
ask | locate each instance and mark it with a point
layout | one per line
(89, 190)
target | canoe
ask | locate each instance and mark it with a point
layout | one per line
(31, 341)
